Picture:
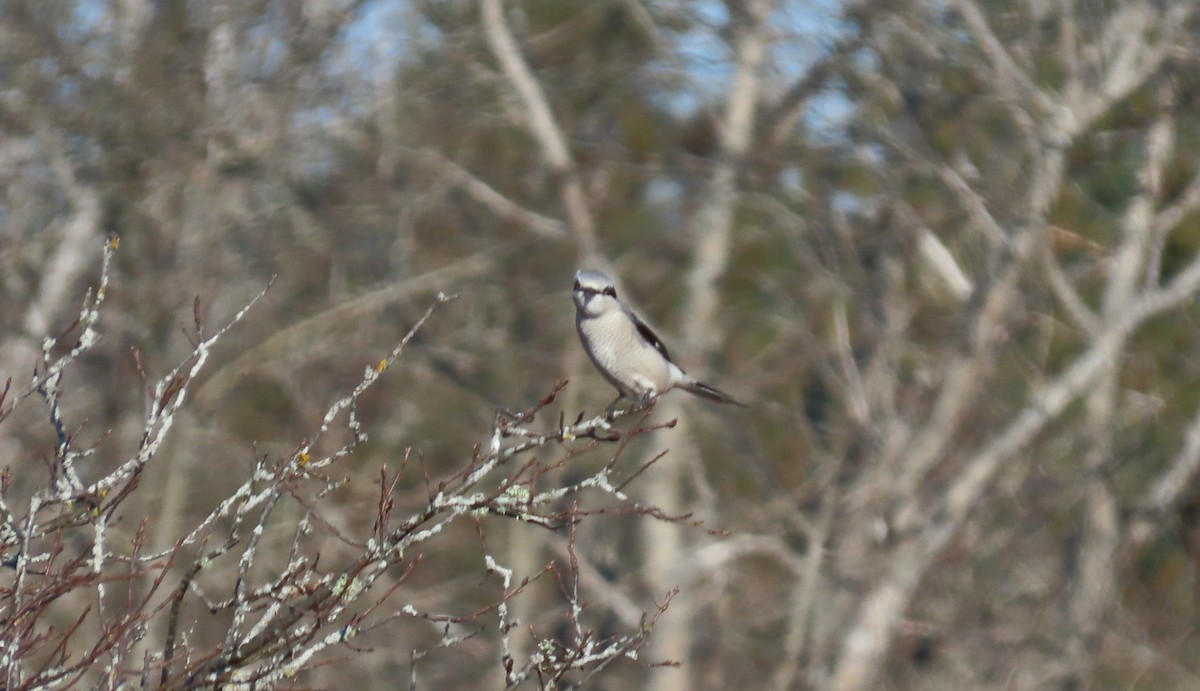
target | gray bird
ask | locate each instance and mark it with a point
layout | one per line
(624, 349)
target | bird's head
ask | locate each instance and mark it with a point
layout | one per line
(594, 293)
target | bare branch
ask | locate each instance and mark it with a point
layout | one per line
(542, 124)
(881, 610)
(1004, 65)
(487, 195)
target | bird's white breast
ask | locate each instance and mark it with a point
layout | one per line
(631, 364)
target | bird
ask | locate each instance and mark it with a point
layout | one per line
(626, 351)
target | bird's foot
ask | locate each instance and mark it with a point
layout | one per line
(646, 401)
(643, 402)
(611, 412)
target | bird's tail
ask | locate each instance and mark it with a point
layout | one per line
(705, 391)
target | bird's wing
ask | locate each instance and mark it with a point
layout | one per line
(651, 337)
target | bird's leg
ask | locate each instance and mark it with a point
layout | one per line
(642, 402)
(611, 411)
(647, 400)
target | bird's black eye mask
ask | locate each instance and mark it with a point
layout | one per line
(608, 290)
